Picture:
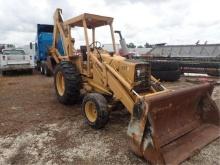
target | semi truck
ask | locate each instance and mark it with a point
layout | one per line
(42, 45)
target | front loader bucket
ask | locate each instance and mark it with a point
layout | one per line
(169, 127)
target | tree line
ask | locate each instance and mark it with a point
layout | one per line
(132, 45)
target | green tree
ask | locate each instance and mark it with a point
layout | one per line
(147, 45)
(140, 46)
(131, 45)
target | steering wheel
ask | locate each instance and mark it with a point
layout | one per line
(96, 45)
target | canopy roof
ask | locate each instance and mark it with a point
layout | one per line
(92, 20)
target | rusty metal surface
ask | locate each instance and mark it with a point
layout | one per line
(185, 146)
(175, 113)
(159, 121)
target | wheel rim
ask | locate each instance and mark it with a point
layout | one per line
(60, 84)
(90, 111)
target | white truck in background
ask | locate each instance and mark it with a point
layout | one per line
(6, 46)
(16, 59)
(29, 49)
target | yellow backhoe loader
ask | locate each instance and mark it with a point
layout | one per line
(166, 126)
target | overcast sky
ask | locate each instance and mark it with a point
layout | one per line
(141, 21)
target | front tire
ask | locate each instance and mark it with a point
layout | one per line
(67, 81)
(95, 110)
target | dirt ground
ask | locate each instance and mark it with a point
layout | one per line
(36, 129)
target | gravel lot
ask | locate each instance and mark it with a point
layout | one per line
(36, 129)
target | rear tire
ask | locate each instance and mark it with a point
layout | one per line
(42, 69)
(67, 81)
(38, 66)
(47, 71)
(95, 110)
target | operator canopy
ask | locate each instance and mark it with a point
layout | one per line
(92, 20)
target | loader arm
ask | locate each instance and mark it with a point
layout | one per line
(114, 81)
(118, 86)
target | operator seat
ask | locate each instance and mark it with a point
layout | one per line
(83, 50)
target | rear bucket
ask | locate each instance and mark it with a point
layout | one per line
(169, 127)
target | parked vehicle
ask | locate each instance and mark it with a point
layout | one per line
(6, 46)
(28, 49)
(42, 45)
(15, 59)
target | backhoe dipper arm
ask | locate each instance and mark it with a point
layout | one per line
(61, 32)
